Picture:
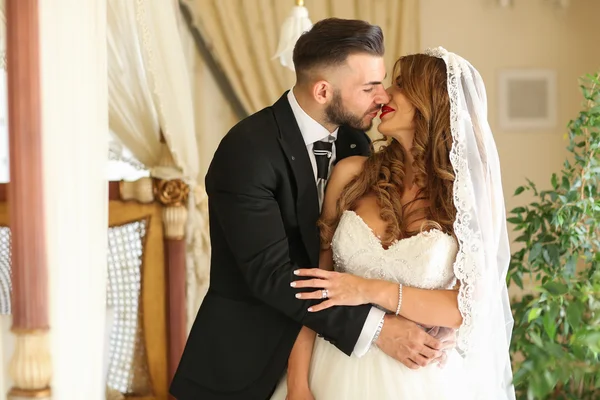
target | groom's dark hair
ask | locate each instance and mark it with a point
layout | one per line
(332, 40)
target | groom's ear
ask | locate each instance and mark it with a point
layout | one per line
(322, 91)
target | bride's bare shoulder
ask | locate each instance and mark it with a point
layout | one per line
(345, 170)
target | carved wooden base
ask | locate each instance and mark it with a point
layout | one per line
(31, 366)
(174, 220)
(18, 394)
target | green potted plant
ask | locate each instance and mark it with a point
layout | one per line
(556, 340)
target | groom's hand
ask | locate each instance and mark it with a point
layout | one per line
(408, 343)
(448, 338)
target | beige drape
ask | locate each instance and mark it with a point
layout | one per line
(243, 35)
(212, 117)
(213, 113)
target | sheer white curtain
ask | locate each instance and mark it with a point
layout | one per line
(150, 95)
(169, 78)
(74, 125)
(132, 116)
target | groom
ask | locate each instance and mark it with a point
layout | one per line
(265, 186)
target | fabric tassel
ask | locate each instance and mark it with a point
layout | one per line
(296, 24)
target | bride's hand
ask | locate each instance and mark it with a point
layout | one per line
(336, 288)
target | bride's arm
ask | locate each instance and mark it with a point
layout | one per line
(300, 357)
(424, 306)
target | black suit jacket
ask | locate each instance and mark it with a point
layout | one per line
(263, 210)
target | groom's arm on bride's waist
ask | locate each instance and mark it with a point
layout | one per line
(242, 185)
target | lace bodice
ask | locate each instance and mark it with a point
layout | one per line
(423, 261)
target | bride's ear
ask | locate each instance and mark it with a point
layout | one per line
(322, 92)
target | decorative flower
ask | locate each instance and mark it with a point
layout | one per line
(171, 192)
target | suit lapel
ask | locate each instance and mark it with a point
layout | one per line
(307, 203)
(346, 144)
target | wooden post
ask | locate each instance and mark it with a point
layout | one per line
(30, 366)
(173, 195)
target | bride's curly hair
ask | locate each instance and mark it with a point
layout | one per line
(423, 81)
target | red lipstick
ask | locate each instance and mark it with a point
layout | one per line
(386, 110)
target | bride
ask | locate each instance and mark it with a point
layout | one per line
(426, 214)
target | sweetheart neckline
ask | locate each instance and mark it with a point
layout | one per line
(372, 234)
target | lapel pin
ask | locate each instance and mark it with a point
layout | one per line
(293, 158)
(352, 146)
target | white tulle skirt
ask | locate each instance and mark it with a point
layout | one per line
(376, 376)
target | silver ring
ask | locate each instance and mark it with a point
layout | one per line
(324, 293)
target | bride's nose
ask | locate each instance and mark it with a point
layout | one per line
(383, 96)
(388, 91)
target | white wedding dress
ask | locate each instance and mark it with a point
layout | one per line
(423, 261)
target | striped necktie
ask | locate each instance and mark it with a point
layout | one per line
(323, 153)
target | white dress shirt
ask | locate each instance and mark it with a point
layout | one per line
(312, 131)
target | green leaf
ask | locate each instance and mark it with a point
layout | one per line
(518, 210)
(560, 219)
(535, 252)
(535, 338)
(574, 314)
(534, 313)
(537, 224)
(551, 379)
(553, 254)
(592, 340)
(517, 280)
(520, 376)
(554, 182)
(578, 348)
(523, 238)
(549, 325)
(515, 220)
(556, 288)
(519, 190)
(554, 350)
(570, 266)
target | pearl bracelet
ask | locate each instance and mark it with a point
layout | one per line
(399, 299)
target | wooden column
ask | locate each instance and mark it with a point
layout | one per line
(30, 366)
(173, 195)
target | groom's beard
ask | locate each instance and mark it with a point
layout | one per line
(337, 114)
